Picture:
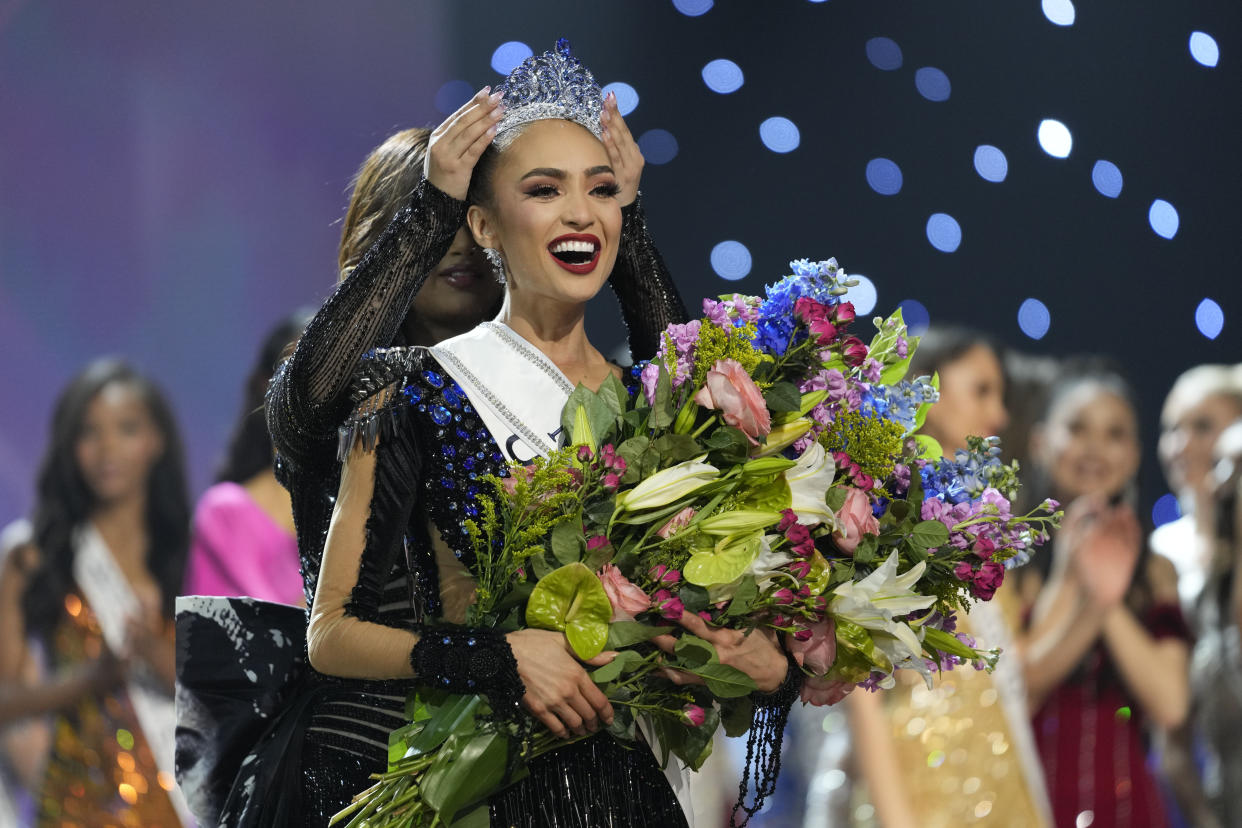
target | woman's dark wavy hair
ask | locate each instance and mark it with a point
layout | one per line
(250, 446)
(64, 502)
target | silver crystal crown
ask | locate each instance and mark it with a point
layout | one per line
(552, 85)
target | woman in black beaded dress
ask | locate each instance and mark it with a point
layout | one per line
(544, 199)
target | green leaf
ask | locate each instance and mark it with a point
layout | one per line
(676, 448)
(736, 715)
(783, 396)
(567, 541)
(727, 446)
(623, 725)
(480, 816)
(454, 715)
(662, 412)
(836, 498)
(572, 600)
(613, 394)
(895, 372)
(899, 510)
(625, 662)
(541, 566)
(929, 534)
(586, 417)
(747, 592)
(693, 598)
(864, 553)
(622, 634)
(697, 745)
(920, 416)
(470, 768)
(693, 651)
(724, 681)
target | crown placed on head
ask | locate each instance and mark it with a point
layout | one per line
(552, 85)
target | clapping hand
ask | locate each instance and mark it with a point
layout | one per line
(1103, 547)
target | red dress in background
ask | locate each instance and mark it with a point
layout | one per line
(1091, 739)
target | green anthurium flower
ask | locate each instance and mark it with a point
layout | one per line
(725, 561)
(572, 600)
(667, 486)
(809, 482)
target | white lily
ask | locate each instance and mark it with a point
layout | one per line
(877, 600)
(808, 482)
(767, 561)
(668, 485)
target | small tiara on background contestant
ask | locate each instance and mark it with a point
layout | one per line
(552, 85)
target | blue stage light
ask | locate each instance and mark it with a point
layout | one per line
(932, 84)
(627, 96)
(1163, 218)
(723, 76)
(1203, 49)
(884, 53)
(944, 233)
(1055, 138)
(884, 176)
(508, 55)
(1106, 178)
(1034, 318)
(991, 163)
(915, 315)
(1165, 509)
(1209, 318)
(658, 146)
(452, 95)
(1060, 12)
(861, 295)
(693, 8)
(779, 134)
(731, 260)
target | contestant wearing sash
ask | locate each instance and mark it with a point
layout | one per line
(90, 597)
(545, 199)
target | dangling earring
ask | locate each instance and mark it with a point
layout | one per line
(497, 262)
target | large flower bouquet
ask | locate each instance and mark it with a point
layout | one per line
(763, 472)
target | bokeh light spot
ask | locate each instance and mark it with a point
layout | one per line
(731, 260)
(508, 55)
(693, 8)
(723, 76)
(658, 146)
(861, 295)
(1203, 49)
(1165, 509)
(884, 53)
(944, 233)
(1162, 216)
(779, 134)
(452, 95)
(915, 315)
(884, 176)
(1060, 12)
(932, 84)
(1107, 178)
(627, 96)
(991, 163)
(1210, 318)
(1055, 138)
(1034, 318)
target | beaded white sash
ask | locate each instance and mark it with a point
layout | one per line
(518, 392)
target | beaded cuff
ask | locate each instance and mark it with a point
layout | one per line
(787, 693)
(469, 660)
(763, 744)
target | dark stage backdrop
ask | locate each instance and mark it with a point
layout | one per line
(171, 174)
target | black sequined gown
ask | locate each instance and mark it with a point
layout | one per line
(333, 732)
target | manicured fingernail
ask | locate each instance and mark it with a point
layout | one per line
(485, 90)
(496, 96)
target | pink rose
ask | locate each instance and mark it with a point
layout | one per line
(843, 313)
(693, 715)
(669, 605)
(854, 519)
(676, 523)
(822, 692)
(730, 389)
(627, 600)
(819, 651)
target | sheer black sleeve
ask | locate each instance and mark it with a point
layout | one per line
(643, 285)
(308, 397)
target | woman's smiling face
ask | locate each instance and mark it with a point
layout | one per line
(553, 213)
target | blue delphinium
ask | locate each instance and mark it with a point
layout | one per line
(824, 282)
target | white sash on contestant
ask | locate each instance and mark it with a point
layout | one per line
(519, 394)
(113, 601)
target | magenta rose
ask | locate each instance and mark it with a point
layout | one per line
(819, 651)
(627, 600)
(853, 351)
(854, 519)
(821, 692)
(729, 389)
(693, 715)
(988, 579)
